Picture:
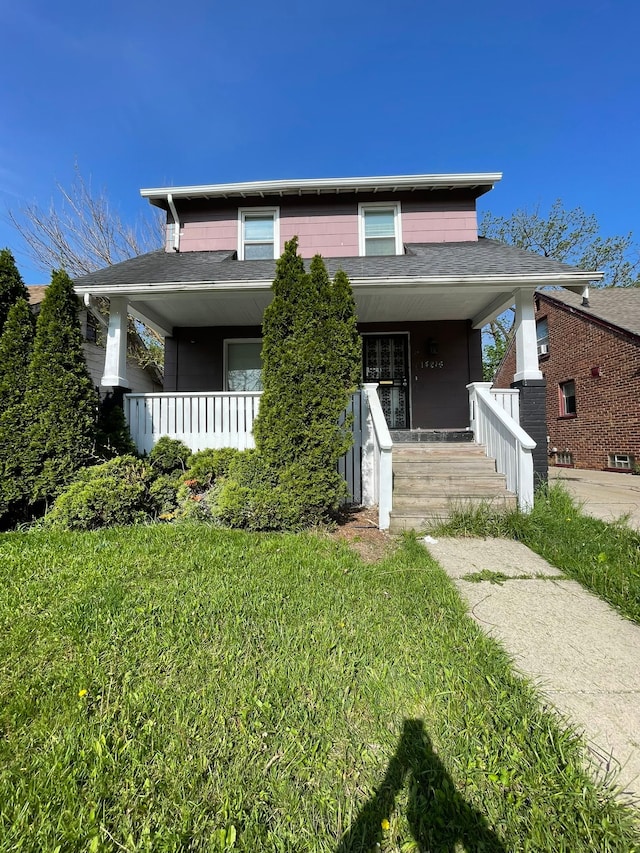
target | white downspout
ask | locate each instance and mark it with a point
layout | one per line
(176, 223)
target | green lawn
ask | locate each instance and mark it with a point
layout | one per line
(176, 688)
(604, 558)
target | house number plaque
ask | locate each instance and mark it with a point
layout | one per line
(432, 364)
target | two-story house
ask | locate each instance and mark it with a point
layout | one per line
(424, 285)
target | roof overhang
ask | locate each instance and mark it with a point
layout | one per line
(236, 303)
(477, 182)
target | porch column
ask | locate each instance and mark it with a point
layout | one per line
(115, 362)
(526, 338)
(529, 381)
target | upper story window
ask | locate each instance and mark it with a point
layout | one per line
(542, 332)
(259, 234)
(379, 229)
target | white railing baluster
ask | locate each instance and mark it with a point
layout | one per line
(200, 420)
(494, 425)
(377, 473)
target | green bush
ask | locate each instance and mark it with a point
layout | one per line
(169, 454)
(163, 492)
(115, 492)
(207, 465)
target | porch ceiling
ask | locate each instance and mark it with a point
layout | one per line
(380, 302)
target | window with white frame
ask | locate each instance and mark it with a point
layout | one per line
(243, 364)
(564, 457)
(568, 398)
(379, 229)
(259, 234)
(542, 333)
(621, 461)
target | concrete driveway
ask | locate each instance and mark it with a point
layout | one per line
(603, 494)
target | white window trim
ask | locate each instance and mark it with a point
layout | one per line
(225, 356)
(273, 211)
(363, 207)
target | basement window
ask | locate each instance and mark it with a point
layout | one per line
(621, 461)
(564, 459)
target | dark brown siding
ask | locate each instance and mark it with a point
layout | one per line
(194, 357)
(439, 399)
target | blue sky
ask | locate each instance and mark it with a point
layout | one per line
(146, 94)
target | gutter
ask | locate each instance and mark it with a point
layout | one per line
(176, 223)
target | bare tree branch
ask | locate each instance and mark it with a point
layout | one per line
(82, 232)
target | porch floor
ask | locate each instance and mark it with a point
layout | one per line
(430, 435)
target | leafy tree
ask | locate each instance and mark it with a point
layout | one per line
(11, 285)
(311, 363)
(60, 401)
(569, 236)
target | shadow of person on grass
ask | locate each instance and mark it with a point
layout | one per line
(439, 818)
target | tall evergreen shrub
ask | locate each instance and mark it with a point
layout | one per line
(16, 345)
(12, 287)
(311, 364)
(60, 401)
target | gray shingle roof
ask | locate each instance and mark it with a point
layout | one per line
(619, 306)
(422, 260)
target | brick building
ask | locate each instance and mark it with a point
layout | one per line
(589, 355)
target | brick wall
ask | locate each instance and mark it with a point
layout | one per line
(607, 416)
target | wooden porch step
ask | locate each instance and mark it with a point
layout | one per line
(433, 480)
(474, 486)
(425, 518)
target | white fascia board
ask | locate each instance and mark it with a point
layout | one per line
(318, 185)
(491, 282)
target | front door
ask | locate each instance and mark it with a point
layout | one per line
(386, 362)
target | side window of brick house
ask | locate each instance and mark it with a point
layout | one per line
(567, 398)
(542, 334)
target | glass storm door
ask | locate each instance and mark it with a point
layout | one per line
(386, 362)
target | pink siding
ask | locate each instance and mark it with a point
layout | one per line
(332, 229)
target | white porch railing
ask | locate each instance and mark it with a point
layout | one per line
(200, 420)
(225, 419)
(504, 439)
(509, 400)
(377, 473)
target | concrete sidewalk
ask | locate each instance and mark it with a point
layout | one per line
(603, 494)
(582, 655)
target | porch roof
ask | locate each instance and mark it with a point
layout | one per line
(437, 281)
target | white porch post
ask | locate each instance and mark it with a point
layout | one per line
(115, 362)
(526, 338)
